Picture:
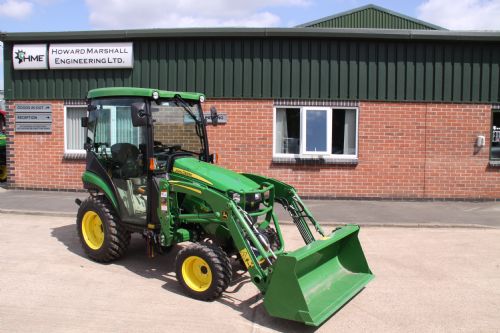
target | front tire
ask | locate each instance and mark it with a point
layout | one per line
(204, 271)
(102, 237)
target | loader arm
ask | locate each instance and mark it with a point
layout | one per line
(224, 212)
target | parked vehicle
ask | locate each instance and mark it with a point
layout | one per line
(149, 171)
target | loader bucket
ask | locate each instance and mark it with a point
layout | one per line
(313, 282)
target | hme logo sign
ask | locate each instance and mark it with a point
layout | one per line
(32, 56)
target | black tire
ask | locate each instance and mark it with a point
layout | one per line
(214, 260)
(114, 240)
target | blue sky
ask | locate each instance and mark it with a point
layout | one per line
(64, 15)
(71, 15)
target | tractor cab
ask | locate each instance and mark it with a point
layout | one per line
(124, 145)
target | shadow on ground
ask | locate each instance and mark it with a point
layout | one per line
(162, 267)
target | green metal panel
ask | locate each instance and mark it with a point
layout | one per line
(372, 17)
(282, 67)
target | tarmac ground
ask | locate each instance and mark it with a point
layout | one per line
(332, 212)
(426, 280)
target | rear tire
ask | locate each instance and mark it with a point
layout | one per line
(102, 236)
(204, 271)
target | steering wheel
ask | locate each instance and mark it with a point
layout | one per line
(103, 151)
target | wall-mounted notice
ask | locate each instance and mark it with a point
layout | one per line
(91, 55)
(33, 117)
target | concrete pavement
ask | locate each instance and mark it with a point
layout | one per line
(427, 279)
(362, 212)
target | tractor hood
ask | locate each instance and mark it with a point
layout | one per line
(213, 175)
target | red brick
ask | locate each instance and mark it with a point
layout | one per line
(406, 150)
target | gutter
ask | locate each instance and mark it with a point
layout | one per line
(336, 33)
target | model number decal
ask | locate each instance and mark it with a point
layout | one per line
(246, 258)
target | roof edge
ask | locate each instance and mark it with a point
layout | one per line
(128, 35)
(358, 9)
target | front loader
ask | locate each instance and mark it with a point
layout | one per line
(149, 171)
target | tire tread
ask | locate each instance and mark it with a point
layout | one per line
(116, 242)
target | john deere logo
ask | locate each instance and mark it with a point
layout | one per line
(20, 56)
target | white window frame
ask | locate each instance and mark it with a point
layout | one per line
(303, 153)
(66, 150)
(303, 130)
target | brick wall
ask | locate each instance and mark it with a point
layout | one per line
(406, 150)
(35, 160)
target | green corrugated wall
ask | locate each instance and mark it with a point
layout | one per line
(285, 68)
(370, 18)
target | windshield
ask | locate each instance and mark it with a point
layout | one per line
(175, 126)
(111, 123)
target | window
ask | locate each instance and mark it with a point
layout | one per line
(326, 132)
(495, 136)
(74, 133)
(115, 126)
(111, 123)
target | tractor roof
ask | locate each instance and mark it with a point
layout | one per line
(141, 92)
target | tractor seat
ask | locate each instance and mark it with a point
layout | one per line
(126, 164)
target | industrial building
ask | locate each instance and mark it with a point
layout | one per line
(364, 104)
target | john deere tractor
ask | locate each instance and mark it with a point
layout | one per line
(149, 171)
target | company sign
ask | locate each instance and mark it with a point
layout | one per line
(95, 55)
(29, 56)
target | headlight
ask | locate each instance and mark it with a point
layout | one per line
(258, 196)
(156, 95)
(236, 198)
(202, 99)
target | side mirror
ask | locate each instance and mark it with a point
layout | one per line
(214, 116)
(139, 114)
(84, 121)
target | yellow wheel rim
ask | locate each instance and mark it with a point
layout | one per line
(196, 273)
(92, 230)
(3, 172)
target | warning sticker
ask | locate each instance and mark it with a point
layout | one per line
(246, 258)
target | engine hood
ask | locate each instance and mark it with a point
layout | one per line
(213, 175)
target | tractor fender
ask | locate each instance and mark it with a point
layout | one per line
(93, 181)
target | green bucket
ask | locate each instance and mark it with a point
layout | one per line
(313, 282)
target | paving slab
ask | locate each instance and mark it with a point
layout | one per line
(443, 280)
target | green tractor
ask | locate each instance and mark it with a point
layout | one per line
(149, 171)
